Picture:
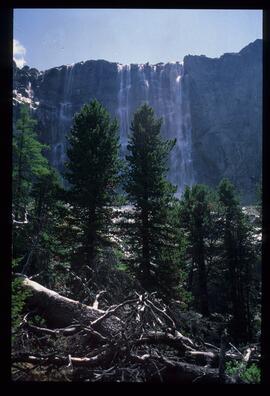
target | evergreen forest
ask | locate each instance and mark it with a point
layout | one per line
(117, 279)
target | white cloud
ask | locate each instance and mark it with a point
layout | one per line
(18, 53)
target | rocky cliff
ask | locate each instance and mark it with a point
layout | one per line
(225, 97)
(212, 106)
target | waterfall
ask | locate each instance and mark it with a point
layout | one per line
(64, 117)
(144, 82)
(185, 141)
(179, 126)
(67, 92)
(123, 104)
(161, 86)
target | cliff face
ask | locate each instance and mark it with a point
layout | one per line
(212, 106)
(225, 97)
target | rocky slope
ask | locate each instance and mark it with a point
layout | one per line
(212, 106)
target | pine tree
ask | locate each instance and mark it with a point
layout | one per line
(45, 218)
(155, 244)
(29, 164)
(92, 172)
(28, 161)
(239, 259)
(195, 218)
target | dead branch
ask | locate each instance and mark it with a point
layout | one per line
(137, 338)
(163, 338)
(96, 302)
(185, 372)
(61, 361)
(111, 311)
(61, 311)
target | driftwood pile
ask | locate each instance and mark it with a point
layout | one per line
(134, 341)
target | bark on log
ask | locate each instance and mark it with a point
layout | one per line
(175, 372)
(66, 317)
(61, 311)
(181, 372)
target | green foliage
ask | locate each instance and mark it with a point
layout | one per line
(239, 259)
(19, 296)
(28, 160)
(197, 220)
(36, 201)
(121, 266)
(198, 250)
(37, 320)
(155, 242)
(46, 210)
(233, 368)
(221, 256)
(30, 171)
(93, 173)
(18, 302)
(251, 374)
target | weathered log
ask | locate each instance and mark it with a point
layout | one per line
(123, 336)
(181, 372)
(203, 357)
(172, 371)
(60, 311)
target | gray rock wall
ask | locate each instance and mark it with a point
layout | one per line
(212, 106)
(225, 97)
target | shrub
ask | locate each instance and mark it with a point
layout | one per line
(251, 374)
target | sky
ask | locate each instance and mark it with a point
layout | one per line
(45, 38)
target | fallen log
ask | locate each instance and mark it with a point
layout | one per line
(182, 372)
(136, 334)
(172, 372)
(60, 311)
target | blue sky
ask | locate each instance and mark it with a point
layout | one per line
(46, 38)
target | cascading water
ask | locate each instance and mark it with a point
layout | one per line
(161, 86)
(64, 117)
(123, 104)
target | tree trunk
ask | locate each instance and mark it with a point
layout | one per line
(203, 289)
(61, 311)
(202, 279)
(19, 181)
(118, 338)
(146, 277)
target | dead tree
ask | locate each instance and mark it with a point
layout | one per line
(133, 341)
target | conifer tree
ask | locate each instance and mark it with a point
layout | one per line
(195, 218)
(28, 161)
(239, 259)
(155, 243)
(45, 219)
(92, 172)
(29, 164)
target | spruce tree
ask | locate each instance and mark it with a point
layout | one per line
(239, 259)
(28, 161)
(92, 172)
(195, 218)
(29, 164)
(45, 219)
(155, 244)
